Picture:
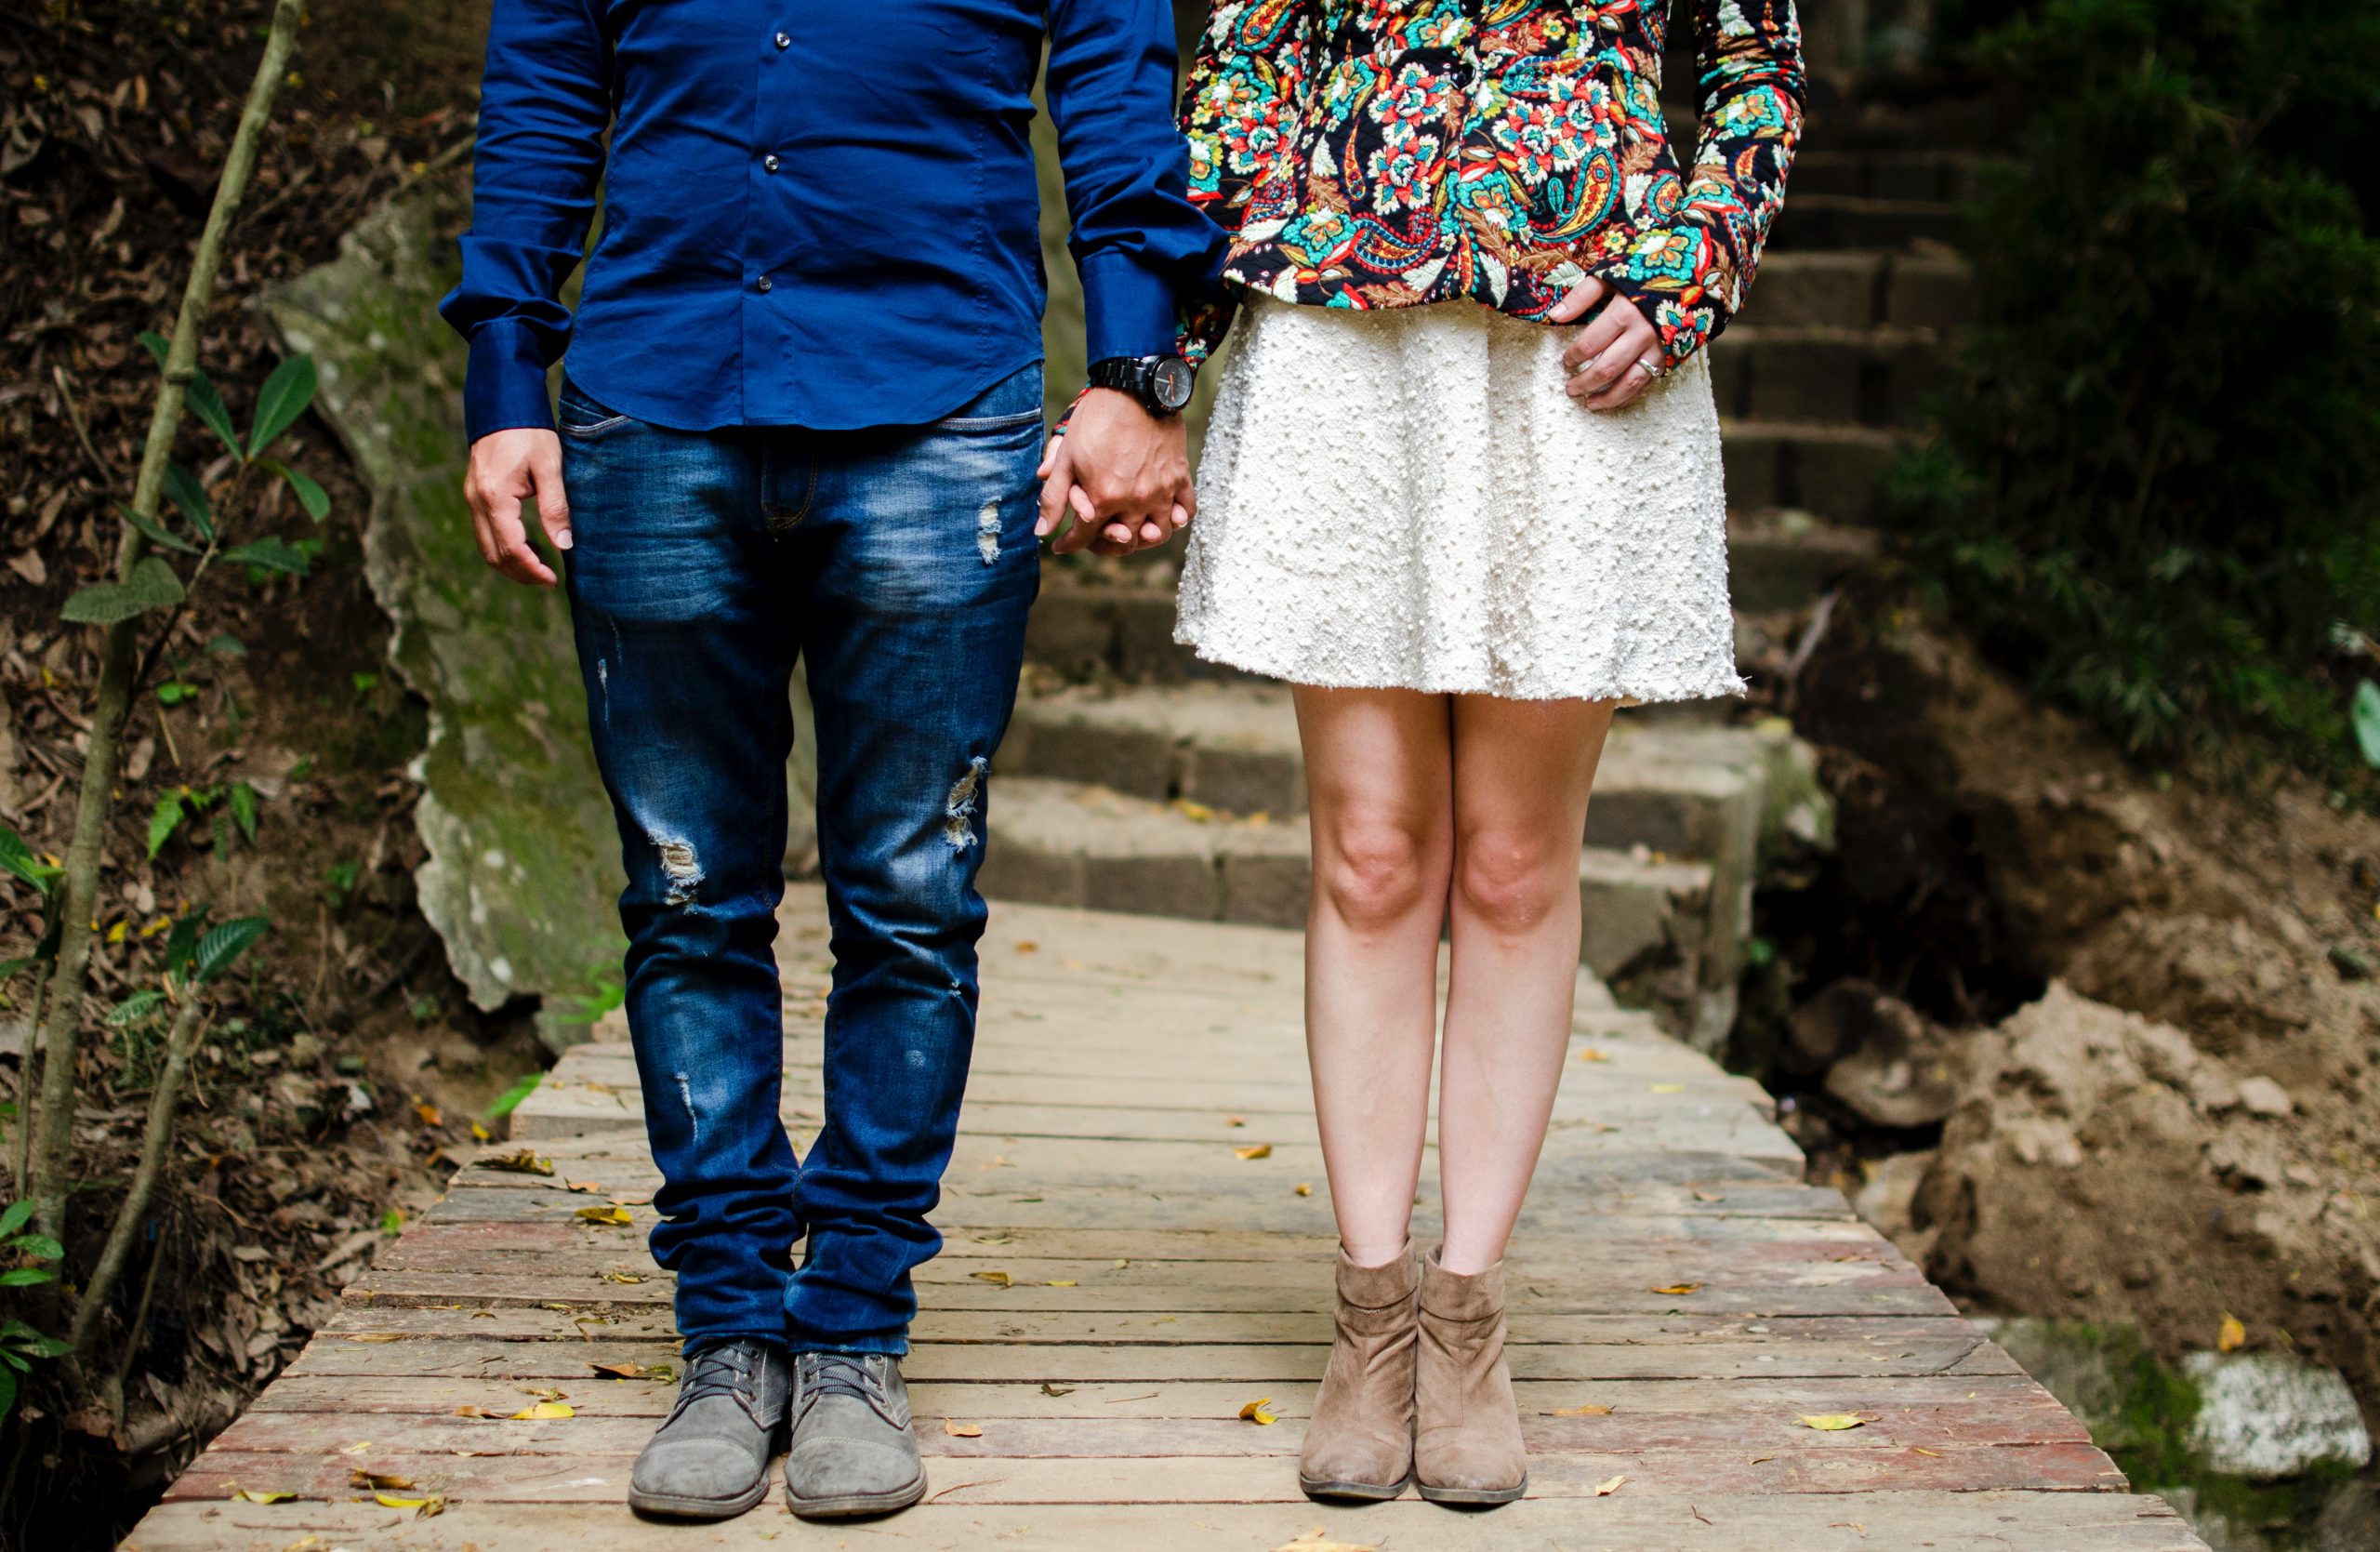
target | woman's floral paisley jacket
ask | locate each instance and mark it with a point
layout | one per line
(1388, 152)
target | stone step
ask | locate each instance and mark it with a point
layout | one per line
(1823, 467)
(1863, 222)
(1857, 288)
(1784, 560)
(1649, 922)
(1874, 374)
(1885, 173)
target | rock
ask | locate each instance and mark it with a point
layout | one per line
(2262, 1096)
(1887, 1198)
(2268, 1416)
(1887, 1062)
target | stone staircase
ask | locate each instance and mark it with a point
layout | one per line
(1136, 779)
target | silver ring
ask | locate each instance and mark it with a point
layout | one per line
(1650, 370)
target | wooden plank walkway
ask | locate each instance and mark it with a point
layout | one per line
(1120, 1281)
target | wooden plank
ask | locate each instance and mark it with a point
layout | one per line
(1631, 1519)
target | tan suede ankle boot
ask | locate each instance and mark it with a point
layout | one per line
(1467, 1443)
(1361, 1442)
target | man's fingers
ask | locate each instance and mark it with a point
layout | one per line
(553, 502)
(1086, 524)
(1581, 299)
(514, 557)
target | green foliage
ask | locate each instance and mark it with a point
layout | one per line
(2157, 488)
(510, 1100)
(20, 1344)
(18, 860)
(222, 947)
(152, 586)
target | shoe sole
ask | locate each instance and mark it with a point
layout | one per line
(853, 1505)
(1474, 1496)
(670, 1505)
(1368, 1492)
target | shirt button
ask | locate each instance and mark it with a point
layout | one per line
(770, 162)
(784, 40)
(765, 283)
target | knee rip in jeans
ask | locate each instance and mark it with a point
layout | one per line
(958, 808)
(679, 867)
(686, 1098)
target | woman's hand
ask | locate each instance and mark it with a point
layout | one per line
(1617, 356)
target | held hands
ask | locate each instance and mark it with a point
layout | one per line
(1617, 356)
(1122, 473)
(509, 469)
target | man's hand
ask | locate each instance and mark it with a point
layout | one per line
(508, 468)
(1123, 474)
(1617, 356)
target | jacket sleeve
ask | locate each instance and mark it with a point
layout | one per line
(1240, 109)
(1138, 242)
(1687, 267)
(544, 103)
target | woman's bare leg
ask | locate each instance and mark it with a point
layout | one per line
(1522, 773)
(1379, 781)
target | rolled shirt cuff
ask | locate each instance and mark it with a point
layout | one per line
(1127, 308)
(504, 386)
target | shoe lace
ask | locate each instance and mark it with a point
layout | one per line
(725, 1370)
(827, 1375)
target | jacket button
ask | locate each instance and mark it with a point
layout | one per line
(770, 162)
(784, 40)
(764, 283)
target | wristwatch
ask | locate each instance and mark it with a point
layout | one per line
(1162, 383)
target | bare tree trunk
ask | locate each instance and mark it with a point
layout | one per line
(156, 1138)
(24, 1141)
(53, 1136)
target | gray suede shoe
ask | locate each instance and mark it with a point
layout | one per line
(711, 1458)
(854, 1451)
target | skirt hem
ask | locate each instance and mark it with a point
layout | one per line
(1446, 685)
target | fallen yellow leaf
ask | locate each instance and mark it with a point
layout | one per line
(617, 1216)
(1708, 1196)
(999, 1279)
(618, 1371)
(1050, 1390)
(1832, 1421)
(2231, 1336)
(591, 1187)
(625, 1277)
(429, 1114)
(1234, 1120)
(545, 1412)
(377, 1336)
(1588, 1053)
(357, 1447)
(1679, 1289)
(1666, 1087)
(1255, 1411)
(259, 1495)
(476, 1412)
(1302, 1189)
(521, 1161)
(961, 1430)
(1028, 947)
(1605, 1489)
(1586, 1409)
(1314, 1540)
(423, 1509)
(377, 1479)
(1255, 1150)
(481, 1133)
(1935, 1453)
(1063, 1282)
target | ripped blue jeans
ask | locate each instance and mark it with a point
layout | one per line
(899, 565)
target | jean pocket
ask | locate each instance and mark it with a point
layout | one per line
(1012, 402)
(577, 414)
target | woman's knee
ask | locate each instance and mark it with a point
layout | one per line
(1375, 871)
(1513, 882)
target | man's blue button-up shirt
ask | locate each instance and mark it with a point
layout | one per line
(815, 213)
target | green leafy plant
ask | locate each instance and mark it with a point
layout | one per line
(2157, 483)
(21, 1344)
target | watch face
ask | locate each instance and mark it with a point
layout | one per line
(1175, 379)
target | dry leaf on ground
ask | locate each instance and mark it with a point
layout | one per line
(1832, 1421)
(626, 1276)
(1255, 1411)
(1605, 1489)
(1314, 1540)
(1666, 1087)
(545, 1412)
(1063, 1282)
(996, 1278)
(619, 1371)
(423, 1509)
(1255, 1150)
(1303, 1189)
(961, 1430)
(1050, 1390)
(1588, 1053)
(526, 1161)
(260, 1495)
(2231, 1336)
(378, 1481)
(1679, 1289)
(613, 1214)
(1588, 1409)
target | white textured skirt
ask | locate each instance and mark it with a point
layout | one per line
(1406, 498)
